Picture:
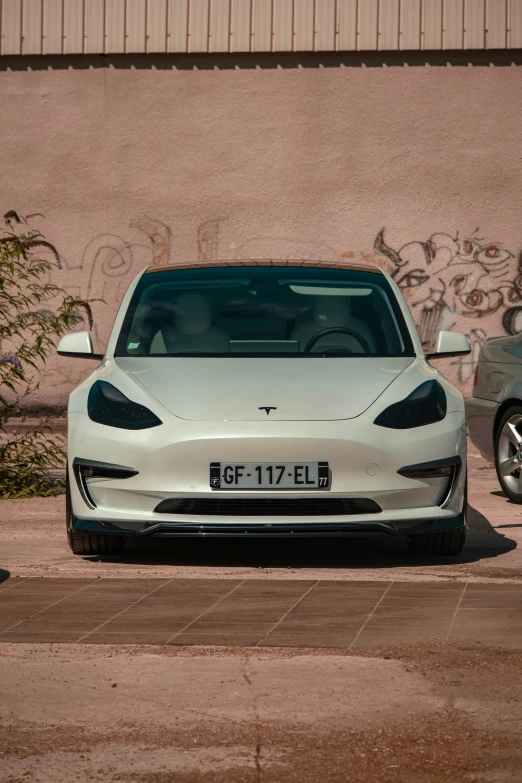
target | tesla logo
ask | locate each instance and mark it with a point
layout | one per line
(267, 408)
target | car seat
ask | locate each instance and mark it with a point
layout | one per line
(192, 331)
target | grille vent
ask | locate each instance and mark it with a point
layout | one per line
(268, 507)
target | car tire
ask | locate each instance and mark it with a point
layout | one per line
(434, 544)
(85, 543)
(505, 449)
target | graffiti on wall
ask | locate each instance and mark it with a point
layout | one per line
(466, 284)
(463, 284)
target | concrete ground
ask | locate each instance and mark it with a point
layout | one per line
(416, 713)
(397, 710)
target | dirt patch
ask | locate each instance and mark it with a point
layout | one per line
(304, 689)
(481, 573)
(118, 761)
(443, 747)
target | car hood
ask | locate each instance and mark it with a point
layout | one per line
(240, 389)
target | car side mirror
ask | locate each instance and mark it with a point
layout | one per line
(450, 344)
(78, 345)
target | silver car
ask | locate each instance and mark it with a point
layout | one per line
(494, 413)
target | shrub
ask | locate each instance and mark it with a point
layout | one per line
(33, 314)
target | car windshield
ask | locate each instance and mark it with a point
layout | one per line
(287, 311)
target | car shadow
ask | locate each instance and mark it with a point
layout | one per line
(355, 553)
(4, 575)
(499, 494)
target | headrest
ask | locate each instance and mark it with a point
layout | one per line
(193, 314)
(331, 311)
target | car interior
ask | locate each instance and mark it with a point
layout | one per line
(264, 318)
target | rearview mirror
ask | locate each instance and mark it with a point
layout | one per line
(78, 345)
(450, 344)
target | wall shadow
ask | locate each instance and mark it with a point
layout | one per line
(269, 60)
(379, 552)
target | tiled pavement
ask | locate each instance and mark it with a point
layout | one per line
(256, 612)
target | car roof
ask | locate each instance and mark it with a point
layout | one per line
(337, 264)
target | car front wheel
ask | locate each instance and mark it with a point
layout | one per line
(508, 453)
(85, 543)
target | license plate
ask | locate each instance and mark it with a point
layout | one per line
(269, 475)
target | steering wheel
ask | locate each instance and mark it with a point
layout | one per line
(339, 330)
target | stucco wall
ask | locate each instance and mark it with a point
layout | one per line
(133, 166)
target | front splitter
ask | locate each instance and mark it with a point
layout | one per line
(282, 529)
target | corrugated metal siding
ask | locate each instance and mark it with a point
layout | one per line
(263, 23)
(515, 24)
(136, 29)
(282, 26)
(304, 27)
(32, 27)
(324, 27)
(389, 25)
(116, 26)
(241, 27)
(178, 26)
(52, 26)
(410, 24)
(72, 26)
(496, 24)
(12, 27)
(157, 27)
(94, 26)
(368, 24)
(219, 26)
(348, 18)
(475, 32)
(431, 35)
(453, 24)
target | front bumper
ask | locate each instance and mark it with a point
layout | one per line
(279, 529)
(172, 462)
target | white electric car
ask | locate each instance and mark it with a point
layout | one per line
(265, 398)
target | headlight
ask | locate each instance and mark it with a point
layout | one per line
(107, 405)
(426, 405)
